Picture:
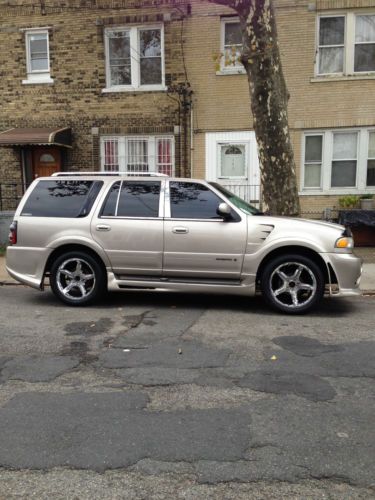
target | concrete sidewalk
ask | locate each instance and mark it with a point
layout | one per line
(367, 282)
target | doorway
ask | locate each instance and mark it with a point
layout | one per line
(46, 161)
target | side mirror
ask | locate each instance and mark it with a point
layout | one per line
(224, 211)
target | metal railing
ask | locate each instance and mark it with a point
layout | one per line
(252, 193)
(10, 195)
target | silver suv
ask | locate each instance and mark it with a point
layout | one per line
(91, 232)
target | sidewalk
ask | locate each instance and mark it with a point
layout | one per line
(367, 281)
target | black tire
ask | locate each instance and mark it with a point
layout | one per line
(288, 292)
(77, 278)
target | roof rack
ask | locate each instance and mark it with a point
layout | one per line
(110, 174)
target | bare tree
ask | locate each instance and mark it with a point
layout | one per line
(269, 102)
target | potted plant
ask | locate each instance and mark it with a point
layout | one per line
(367, 201)
(349, 201)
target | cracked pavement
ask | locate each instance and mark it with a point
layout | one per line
(182, 396)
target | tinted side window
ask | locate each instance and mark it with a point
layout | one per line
(60, 198)
(191, 200)
(137, 199)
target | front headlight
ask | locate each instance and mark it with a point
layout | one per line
(345, 242)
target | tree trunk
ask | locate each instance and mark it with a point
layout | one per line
(269, 103)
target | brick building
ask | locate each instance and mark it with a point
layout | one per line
(91, 85)
(155, 85)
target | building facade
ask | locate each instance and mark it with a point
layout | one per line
(92, 86)
(156, 85)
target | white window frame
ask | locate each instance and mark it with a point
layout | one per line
(309, 188)
(122, 145)
(349, 44)
(37, 76)
(327, 157)
(231, 69)
(135, 68)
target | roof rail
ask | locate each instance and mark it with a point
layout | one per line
(114, 174)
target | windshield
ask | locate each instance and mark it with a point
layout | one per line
(237, 202)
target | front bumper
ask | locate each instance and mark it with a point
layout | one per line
(348, 270)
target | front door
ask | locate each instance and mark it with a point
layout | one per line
(197, 241)
(46, 161)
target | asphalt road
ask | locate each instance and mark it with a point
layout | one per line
(177, 396)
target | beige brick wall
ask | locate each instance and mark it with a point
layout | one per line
(75, 99)
(222, 101)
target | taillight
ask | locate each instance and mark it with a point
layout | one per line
(13, 233)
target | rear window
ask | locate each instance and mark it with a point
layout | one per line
(60, 198)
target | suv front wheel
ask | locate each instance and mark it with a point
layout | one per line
(77, 278)
(292, 283)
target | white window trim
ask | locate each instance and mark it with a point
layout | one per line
(122, 150)
(327, 154)
(36, 76)
(134, 60)
(227, 70)
(349, 47)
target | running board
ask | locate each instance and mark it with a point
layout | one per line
(164, 280)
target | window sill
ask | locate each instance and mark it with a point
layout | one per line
(231, 71)
(37, 81)
(332, 192)
(343, 78)
(110, 90)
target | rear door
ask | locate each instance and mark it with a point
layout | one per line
(197, 241)
(129, 226)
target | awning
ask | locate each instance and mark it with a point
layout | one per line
(36, 136)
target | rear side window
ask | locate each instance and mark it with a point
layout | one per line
(60, 198)
(190, 200)
(132, 199)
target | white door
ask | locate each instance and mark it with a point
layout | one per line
(232, 160)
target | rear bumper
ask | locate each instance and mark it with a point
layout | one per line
(348, 270)
(27, 265)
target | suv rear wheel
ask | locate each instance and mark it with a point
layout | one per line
(77, 278)
(292, 284)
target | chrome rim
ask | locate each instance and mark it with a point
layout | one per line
(293, 285)
(75, 279)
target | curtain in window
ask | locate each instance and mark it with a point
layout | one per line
(232, 44)
(313, 161)
(119, 57)
(364, 56)
(331, 44)
(137, 160)
(164, 158)
(150, 57)
(111, 160)
(38, 52)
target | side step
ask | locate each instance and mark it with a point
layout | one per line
(164, 280)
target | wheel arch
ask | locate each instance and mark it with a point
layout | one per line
(69, 247)
(327, 270)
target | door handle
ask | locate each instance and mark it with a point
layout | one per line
(103, 227)
(180, 230)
